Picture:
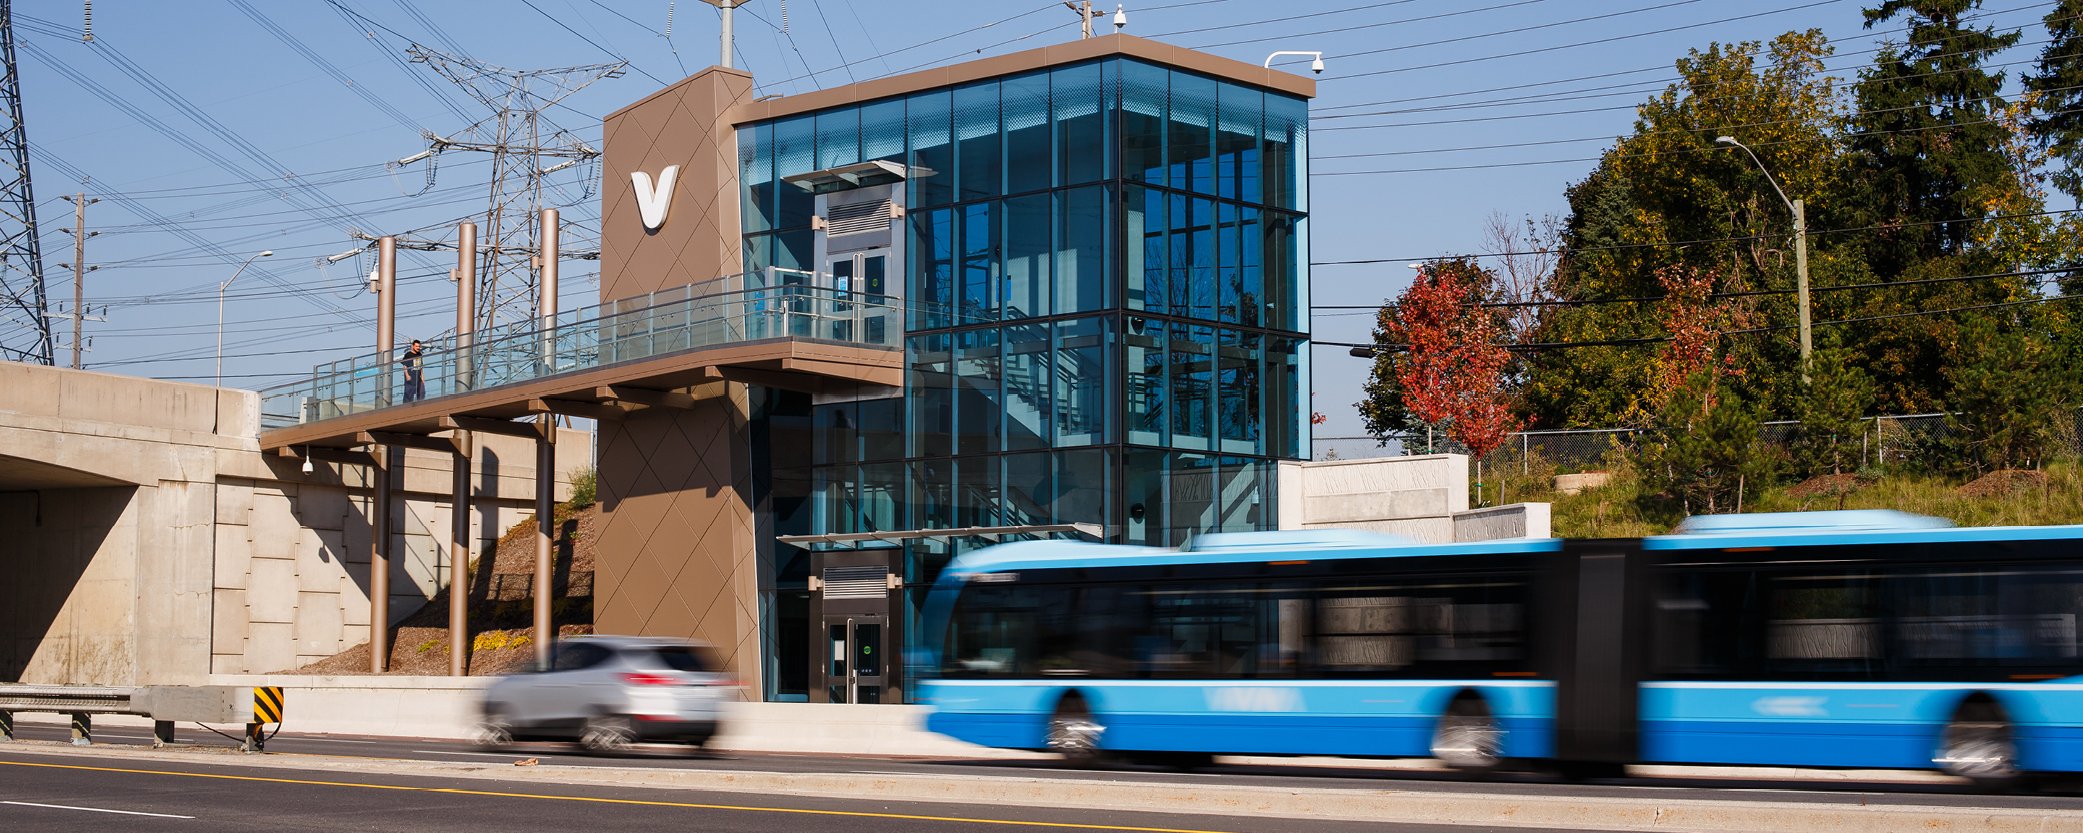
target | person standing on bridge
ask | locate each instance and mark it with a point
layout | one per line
(415, 372)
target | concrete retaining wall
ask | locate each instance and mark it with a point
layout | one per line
(1424, 497)
(150, 542)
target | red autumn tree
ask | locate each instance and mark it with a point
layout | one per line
(1694, 321)
(1440, 362)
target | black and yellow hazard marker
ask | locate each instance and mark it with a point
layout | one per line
(267, 708)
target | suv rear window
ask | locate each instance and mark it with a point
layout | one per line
(685, 659)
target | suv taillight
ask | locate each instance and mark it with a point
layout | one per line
(648, 679)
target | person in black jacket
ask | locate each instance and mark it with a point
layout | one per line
(415, 373)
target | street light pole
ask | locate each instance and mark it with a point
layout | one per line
(1800, 249)
(220, 309)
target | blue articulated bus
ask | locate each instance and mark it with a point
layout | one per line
(1829, 639)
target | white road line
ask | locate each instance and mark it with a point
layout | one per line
(95, 810)
(301, 739)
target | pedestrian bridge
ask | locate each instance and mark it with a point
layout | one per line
(601, 362)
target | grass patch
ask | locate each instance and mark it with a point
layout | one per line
(1620, 509)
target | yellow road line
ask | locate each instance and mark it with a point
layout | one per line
(628, 801)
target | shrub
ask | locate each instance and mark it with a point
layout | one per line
(585, 486)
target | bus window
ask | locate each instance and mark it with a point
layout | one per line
(1223, 631)
(1823, 622)
(1430, 627)
(2000, 618)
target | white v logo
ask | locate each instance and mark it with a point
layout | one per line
(652, 202)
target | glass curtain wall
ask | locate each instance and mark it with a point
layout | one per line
(1106, 284)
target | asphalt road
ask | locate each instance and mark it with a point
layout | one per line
(96, 791)
(2067, 796)
(358, 783)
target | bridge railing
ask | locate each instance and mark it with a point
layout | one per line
(713, 314)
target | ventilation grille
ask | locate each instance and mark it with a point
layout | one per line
(858, 218)
(856, 582)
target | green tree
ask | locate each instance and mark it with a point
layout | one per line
(1831, 407)
(2057, 81)
(1927, 139)
(1667, 182)
(2008, 396)
(1704, 452)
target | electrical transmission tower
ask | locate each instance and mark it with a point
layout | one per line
(525, 147)
(25, 330)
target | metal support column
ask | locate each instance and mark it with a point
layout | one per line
(459, 548)
(546, 448)
(162, 733)
(82, 729)
(380, 561)
(386, 314)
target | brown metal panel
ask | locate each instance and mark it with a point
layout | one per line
(682, 125)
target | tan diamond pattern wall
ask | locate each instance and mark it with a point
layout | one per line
(676, 555)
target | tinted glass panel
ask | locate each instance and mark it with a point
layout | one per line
(1285, 153)
(1028, 227)
(977, 407)
(1027, 154)
(1083, 478)
(1237, 391)
(1424, 626)
(1083, 379)
(977, 139)
(1030, 490)
(1193, 386)
(882, 131)
(795, 152)
(1078, 101)
(1237, 173)
(1143, 92)
(933, 268)
(1190, 140)
(1081, 253)
(929, 391)
(838, 137)
(1148, 382)
(1144, 230)
(928, 119)
(1029, 389)
(756, 171)
(979, 273)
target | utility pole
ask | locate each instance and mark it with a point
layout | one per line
(79, 269)
(1801, 280)
(1084, 10)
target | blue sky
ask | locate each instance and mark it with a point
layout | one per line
(187, 116)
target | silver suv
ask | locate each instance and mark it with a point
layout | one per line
(608, 692)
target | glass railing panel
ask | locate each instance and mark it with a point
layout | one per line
(789, 304)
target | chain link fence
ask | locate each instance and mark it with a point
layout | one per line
(1909, 440)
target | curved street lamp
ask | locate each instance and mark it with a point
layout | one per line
(1800, 246)
(220, 310)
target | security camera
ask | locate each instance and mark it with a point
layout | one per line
(1317, 66)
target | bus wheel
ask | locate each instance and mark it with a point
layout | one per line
(1977, 745)
(1468, 738)
(1075, 734)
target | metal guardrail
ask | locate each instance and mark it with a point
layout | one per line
(164, 704)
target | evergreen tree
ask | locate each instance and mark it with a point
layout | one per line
(1927, 138)
(1705, 452)
(2058, 82)
(1831, 407)
(2009, 396)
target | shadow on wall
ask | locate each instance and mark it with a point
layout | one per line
(52, 620)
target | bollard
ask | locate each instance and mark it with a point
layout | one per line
(162, 733)
(6, 725)
(82, 729)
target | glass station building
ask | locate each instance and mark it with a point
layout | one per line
(1100, 254)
